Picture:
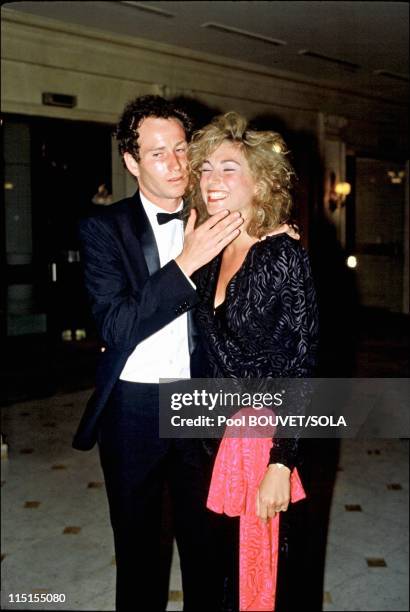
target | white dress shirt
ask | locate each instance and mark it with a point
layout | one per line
(164, 354)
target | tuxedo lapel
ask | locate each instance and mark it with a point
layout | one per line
(146, 238)
(145, 235)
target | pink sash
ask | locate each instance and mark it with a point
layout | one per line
(239, 468)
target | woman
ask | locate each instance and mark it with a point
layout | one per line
(258, 312)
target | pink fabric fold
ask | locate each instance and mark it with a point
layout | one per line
(239, 468)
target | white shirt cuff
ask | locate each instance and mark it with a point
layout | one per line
(187, 277)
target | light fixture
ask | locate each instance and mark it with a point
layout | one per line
(338, 195)
(396, 178)
(351, 261)
(80, 334)
(327, 58)
(102, 196)
(148, 9)
(226, 29)
(343, 189)
(66, 335)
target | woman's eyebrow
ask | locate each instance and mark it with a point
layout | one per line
(223, 161)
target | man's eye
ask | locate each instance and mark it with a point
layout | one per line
(205, 170)
(181, 150)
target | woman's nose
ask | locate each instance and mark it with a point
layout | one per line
(214, 176)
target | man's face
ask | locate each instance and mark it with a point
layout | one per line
(162, 169)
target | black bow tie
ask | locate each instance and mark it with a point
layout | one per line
(165, 217)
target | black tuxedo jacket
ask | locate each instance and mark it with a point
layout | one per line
(131, 296)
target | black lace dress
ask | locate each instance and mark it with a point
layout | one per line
(267, 327)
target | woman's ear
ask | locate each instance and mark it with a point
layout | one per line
(132, 165)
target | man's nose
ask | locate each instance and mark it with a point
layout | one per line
(174, 162)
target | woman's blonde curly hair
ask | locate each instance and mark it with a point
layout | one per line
(265, 153)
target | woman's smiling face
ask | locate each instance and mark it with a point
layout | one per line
(226, 181)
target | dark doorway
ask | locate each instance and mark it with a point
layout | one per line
(53, 170)
(70, 161)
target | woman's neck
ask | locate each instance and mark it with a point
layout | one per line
(242, 243)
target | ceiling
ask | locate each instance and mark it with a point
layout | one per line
(353, 46)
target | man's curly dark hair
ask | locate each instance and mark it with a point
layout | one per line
(146, 106)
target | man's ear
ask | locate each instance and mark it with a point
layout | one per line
(132, 165)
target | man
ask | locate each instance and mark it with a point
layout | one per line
(137, 266)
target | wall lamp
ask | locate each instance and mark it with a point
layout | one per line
(342, 190)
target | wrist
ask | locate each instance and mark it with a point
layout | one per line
(280, 467)
(185, 267)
